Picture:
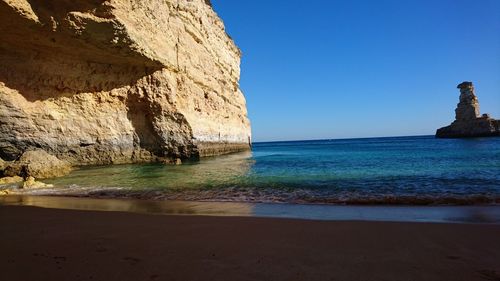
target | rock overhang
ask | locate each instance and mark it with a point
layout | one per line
(100, 82)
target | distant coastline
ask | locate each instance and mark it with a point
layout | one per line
(347, 138)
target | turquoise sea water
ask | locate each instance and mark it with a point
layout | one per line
(399, 170)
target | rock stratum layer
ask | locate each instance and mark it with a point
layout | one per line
(468, 120)
(118, 81)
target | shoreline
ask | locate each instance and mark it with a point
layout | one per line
(477, 214)
(56, 244)
(252, 196)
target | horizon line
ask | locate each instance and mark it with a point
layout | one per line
(348, 138)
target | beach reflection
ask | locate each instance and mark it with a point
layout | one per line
(134, 206)
(437, 214)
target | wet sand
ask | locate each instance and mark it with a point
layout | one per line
(55, 244)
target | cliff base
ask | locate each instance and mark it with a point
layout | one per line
(481, 127)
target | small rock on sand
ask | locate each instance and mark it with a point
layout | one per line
(32, 183)
(10, 180)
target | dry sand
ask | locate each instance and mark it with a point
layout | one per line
(52, 244)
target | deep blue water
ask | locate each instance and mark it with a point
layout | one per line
(400, 170)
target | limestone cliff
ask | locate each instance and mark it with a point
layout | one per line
(118, 81)
(468, 120)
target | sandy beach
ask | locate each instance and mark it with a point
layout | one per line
(55, 244)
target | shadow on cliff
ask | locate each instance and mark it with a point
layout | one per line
(45, 9)
(42, 56)
(142, 118)
(50, 60)
(163, 135)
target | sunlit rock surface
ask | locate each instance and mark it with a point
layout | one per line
(468, 120)
(38, 164)
(118, 81)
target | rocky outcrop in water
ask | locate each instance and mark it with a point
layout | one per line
(468, 120)
(102, 82)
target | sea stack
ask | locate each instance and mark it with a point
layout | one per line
(468, 120)
(105, 82)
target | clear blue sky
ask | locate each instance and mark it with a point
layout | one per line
(320, 69)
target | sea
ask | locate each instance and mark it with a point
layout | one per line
(416, 170)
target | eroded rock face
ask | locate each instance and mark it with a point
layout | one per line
(118, 81)
(38, 164)
(468, 107)
(468, 120)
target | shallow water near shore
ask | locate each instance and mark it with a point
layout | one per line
(401, 170)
